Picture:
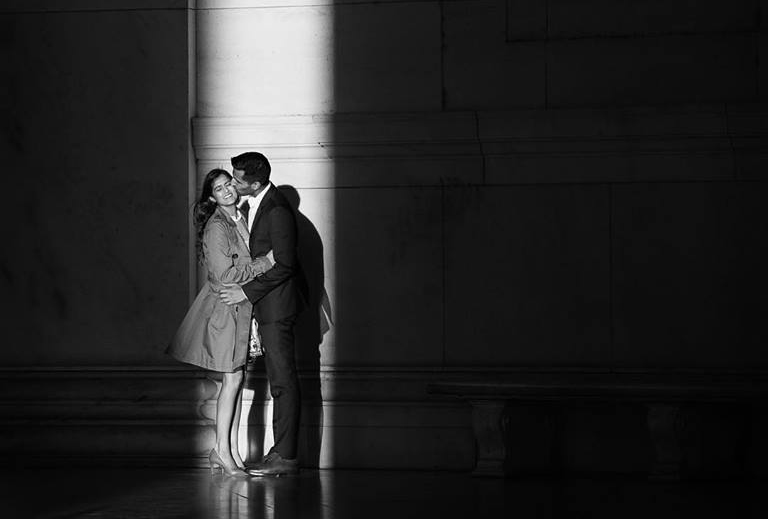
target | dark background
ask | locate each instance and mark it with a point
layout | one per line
(500, 186)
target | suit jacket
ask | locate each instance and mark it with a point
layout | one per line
(282, 291)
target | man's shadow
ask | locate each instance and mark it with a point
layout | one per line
(311, 325)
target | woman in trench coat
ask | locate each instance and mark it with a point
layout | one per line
(214, 335)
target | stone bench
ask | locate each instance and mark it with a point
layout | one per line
(662, 395)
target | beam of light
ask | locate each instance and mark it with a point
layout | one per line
(264, 72)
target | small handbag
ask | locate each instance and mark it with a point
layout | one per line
(255, 348)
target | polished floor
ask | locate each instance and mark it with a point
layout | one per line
(324, 494)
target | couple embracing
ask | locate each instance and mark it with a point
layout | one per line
(255, 288)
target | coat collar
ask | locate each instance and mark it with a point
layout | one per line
(221, 214)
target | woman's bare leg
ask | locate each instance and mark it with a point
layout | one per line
(234, 437)
(225, 411)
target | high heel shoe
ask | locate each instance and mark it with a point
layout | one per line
(216, 463)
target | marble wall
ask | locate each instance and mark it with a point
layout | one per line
(495, 186)
(520, 183)
(96, 267)
(96, 147)
(482, 187)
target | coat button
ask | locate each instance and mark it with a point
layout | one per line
(234, 256)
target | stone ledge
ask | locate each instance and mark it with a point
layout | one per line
(115, 416)
(367, 418)
(65, 6)
(655, 144)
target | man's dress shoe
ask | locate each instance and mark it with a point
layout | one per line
(275, 465)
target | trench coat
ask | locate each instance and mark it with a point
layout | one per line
(214, 335)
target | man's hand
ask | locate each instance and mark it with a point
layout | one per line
(232, 294)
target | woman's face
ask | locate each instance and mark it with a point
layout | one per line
(224, 193)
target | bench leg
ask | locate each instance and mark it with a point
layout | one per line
(662, 424)
(487, 422)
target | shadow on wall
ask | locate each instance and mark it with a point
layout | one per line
(311, 326)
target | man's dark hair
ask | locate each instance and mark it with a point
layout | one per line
(255, 165)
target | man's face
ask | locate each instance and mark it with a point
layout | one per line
(243, 187)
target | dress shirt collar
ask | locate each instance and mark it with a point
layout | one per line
(255, 201)
(244, 199)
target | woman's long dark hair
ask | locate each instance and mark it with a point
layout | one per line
(205, 207)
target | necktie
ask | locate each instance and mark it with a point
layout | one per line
(244, 208)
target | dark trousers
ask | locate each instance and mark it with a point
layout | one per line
(280, 362)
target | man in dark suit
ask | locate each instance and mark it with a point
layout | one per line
(277, 297)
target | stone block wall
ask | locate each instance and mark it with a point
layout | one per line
(96, 142)
(486, 186)
(504, 186)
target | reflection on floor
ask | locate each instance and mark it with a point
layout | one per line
(194, 493)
